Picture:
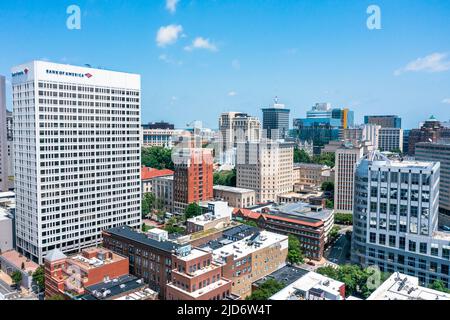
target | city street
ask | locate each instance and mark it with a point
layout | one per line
(338, 252)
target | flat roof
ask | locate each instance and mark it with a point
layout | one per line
(130, 234)
(232, 189)
(287, 274)
(301, 210)
(116, 287)
(403, 287)
(16, 259)
(244, 247)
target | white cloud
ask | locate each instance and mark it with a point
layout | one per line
(201, 43)
(236, 64)
(446, 101)
(165, 58)
(435, 62)
(168, 35)
(232, 93)
(171, 5)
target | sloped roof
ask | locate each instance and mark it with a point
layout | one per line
(55, 255)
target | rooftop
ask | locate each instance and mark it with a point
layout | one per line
(403, 287)
(110, 289)
(241, 248)
(232, 189)
(151, 173)
(128, 233)
(301, 210)
(314, 283)
(16, 259)
(92, 258)
(287, 274)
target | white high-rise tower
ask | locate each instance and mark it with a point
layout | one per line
(3, 139)
(77, 155)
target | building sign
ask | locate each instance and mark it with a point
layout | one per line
(20, 73)
(69, 74)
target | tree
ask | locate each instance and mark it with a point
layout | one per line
(157, 157)
(148, 203)
(39, 278)
(266, 290)
(327, 186)
(343, 218)
(225, 178)
(301, 156)
(171, 226)
(334, 232)
(329, 204)
(439, 286)
(193, 210)
(16, 277)
(146, 228)
(295, 255)
(327, 159)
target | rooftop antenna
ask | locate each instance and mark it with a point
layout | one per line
(276, 99)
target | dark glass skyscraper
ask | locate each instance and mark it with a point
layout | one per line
(276, 121)
(384, 121)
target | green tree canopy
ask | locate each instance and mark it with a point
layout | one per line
(157, 157)
(328, 186)
(193, 210)
(16, 277)
(39, 278)
(301, 156)
(56, 297)
(439, 286)
(225, 178)
(295, 255)
(266, 290)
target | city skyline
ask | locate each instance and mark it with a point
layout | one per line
(321, 52)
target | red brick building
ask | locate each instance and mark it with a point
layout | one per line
(69, 276)
(431, 131)
(196, 277)
(193, 177)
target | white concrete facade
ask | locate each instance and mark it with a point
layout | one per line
(77, 147)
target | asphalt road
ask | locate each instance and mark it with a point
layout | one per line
(337, 253)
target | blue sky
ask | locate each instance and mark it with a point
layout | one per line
(236, 55)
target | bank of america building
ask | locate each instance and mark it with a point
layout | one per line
(77, 155)
(396, 218)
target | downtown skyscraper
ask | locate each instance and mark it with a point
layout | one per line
(77, 155)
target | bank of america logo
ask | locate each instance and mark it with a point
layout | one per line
(88, 75)
(26, 71)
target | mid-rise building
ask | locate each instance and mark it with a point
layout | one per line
(366, 133)
(346, 159)
(218, 216)
(236, 197)
(7, 230)
(385, 121)
(149, 258)
(193, 177)
(248, 259)
(390, 139)
(276, 121)
(431, 131)
(157, 138)
(310, 223)
(163, 191)
(312, 286)
(265, 167)
(70, 275)
(77, 151)
(196, 276)
(403, 287)
(310, 174)
(395, 219)
(438, 152)
(4, 186)
(236, 127)
(149, 175)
